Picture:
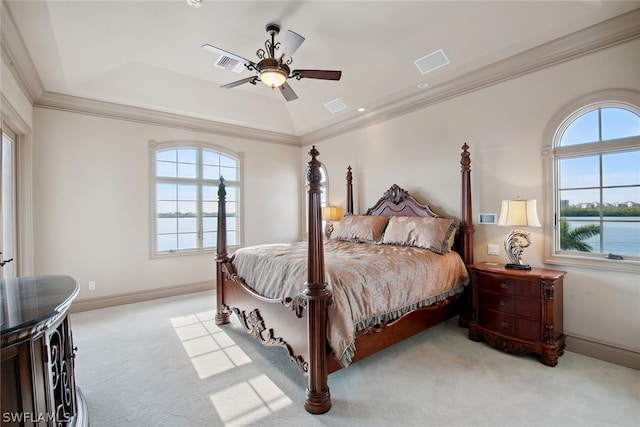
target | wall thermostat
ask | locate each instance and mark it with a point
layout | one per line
(488, 218)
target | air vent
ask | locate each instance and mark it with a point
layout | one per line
(229, 64)
(431, 62)
(335, 105)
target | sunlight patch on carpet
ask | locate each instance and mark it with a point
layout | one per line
(210, 349)
(213, 352)
(249, 401)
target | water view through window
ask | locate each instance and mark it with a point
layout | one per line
(186, 192)
(599, 183)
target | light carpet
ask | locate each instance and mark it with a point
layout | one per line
(165, 363)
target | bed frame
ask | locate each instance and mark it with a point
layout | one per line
(299, 324)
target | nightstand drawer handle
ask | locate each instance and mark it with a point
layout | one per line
(504, 285)
(504, 324)
(504, 303)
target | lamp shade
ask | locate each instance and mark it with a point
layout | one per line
(521, 213)
(331, 213)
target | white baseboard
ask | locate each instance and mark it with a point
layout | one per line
(113, 300)
(608, 353)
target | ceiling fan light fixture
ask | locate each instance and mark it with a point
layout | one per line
(273, 77)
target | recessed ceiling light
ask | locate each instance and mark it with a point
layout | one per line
(362, 109)
(423, 85)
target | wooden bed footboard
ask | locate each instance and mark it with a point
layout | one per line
(302, 320)
(267, 311)
(306, 346)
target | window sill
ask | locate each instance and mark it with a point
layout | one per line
(625, 265)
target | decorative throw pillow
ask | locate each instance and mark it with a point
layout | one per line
(436, 234)
(361, 228)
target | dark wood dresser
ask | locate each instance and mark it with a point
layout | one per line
(38, 380)
(518, 311)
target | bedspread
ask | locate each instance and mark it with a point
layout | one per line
(369, 283)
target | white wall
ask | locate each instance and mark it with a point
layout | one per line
(504, 126)
(91, 201)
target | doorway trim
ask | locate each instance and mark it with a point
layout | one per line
(24, 187)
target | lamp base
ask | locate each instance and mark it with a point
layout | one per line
(328, 229)
(518, 267)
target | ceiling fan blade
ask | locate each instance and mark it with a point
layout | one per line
(251, 80)
(317, 74)
(289, 44)
(287, 92)
(223, 52)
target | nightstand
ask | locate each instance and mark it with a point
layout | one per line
(518, 311)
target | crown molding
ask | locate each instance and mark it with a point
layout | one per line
(15, 56)
(57, 101)
(612, 32)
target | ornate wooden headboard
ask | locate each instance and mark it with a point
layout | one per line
(396, 201)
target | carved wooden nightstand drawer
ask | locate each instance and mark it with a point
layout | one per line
(518, 311)
(526, 329)
(519, 306)
(509, 286)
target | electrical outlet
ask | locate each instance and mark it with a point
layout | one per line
(493, 250)
(92, 286)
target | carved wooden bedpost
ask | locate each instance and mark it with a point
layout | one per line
(466, 231)
(318, 399)
(349, 191)
(221, 253)
(466, 215)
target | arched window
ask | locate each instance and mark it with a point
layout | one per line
(185, 194)
(324, 186)
(596, 183)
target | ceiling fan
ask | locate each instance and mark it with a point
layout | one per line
(273, 67)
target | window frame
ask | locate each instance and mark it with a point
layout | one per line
(11, 119)
(552, 152)
(155, 147)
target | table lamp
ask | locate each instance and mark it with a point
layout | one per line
(330, 214)
(518, 213)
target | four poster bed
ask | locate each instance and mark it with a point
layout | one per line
(389, 274)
